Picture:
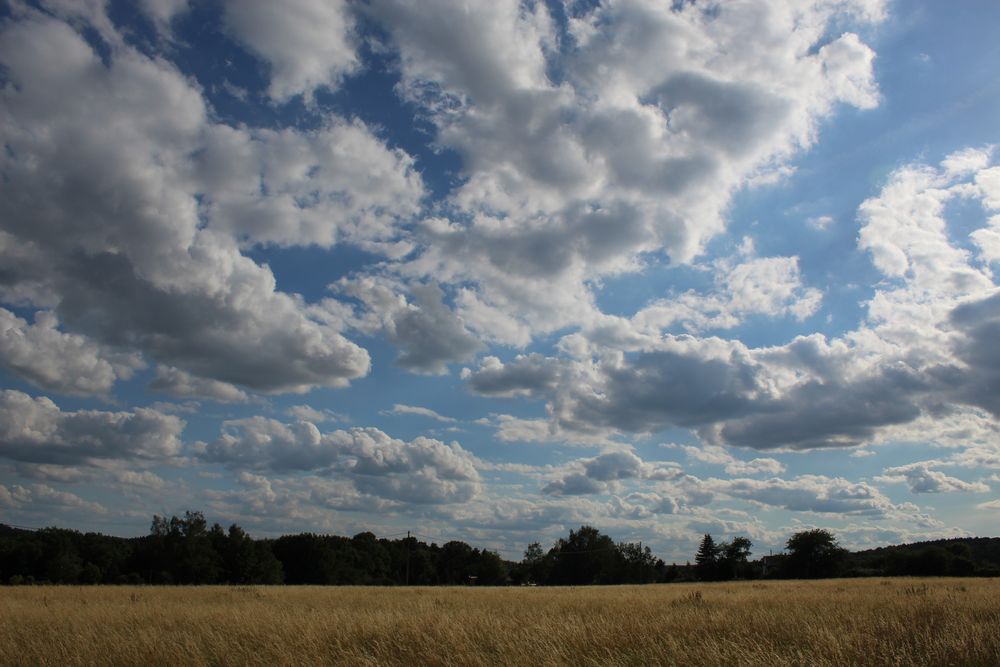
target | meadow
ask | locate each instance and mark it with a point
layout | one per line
(830, 622)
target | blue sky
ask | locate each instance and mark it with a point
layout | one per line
(491, 271)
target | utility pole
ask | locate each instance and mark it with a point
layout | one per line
(407, 558)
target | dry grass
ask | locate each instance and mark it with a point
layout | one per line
(840, 622)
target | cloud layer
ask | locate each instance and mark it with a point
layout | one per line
(558, 231)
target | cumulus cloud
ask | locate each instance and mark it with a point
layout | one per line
(126, 211)
(334, 184)
(514, 429)
(656, 389)
(574, 484)
(162, 13)
(526, 375)
(423, 470)
(976, 346)
(598, 475)
(592, 143)
(428, 334)
(719, 456)
(36, 430)
(676, 385)
(768, 286)
(922, 356)
(572, 177)
(922, 479)
(307, 43)
(664, 488)
(44, 498)
(812, 493)
(308, 413)
(178, 383)
(613, 465)
(310, 502)
(61, 362)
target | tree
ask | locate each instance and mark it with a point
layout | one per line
(489, 568)
(585, 557)
(455, 563)
(640, 566)
(707, 559)
(535, 566)
(813, 554)
(733, 558)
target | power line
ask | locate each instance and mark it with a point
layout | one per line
(442, 540)
(14, 525)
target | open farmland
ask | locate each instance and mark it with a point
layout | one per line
(832, 622)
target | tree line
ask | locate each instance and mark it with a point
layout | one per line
(186, 550)
(815, 553)
(810, 554)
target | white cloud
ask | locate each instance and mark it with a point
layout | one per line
(144, 479)
(41, 498)
(769, 286)
(429, 335)
(656, 116)
(614, 465)
(602, 475)
(918, 366)
(812, 493)
(719, 456)
(308, 413)
(420, 471)
(574, 484)
(35, 430)
(180, 384)
(135, 244)
(821, 222)
(163, 12)
(399, 409)
(906, 233)
(310, 502)
(338, 183)
(11, 498)
(526, 375)
(922, 479)
(967, 161)
(62, 362)
(308, 43)
(600, 141)
(514, 429)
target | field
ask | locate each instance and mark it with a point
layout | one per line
(835, 622)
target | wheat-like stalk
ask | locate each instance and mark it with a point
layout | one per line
(836, 622)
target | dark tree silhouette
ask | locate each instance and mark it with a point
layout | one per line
(707, 559)
(813, 554)
(585, 557)
(733, 557)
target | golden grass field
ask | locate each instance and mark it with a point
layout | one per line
(835, 622)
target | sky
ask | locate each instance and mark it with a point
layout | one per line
(491, 271)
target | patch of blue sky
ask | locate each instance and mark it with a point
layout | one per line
(936, 71)
(964, 216)
(309, 270)
(372, 96)
(628, 293)
(839, 462)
